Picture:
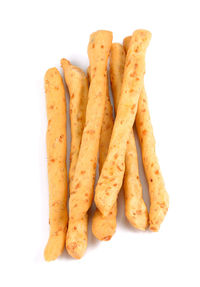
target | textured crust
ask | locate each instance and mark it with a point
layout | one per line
(76, 242)
(83, 183)
(103, 228)
(77, 83)
(56, 155)
(111, 177)
(158, 195)
(135, 208)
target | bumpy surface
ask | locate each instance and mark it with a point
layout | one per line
(56, 155)
(158, 195)
(77, 83)
(103, 228)
(111, 177)
(135, 208)
(83, 183)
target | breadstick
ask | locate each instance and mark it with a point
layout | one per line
(83, 183)
(135, 208)
(103, 228)
(56, 156)
(77, 83)
(158, 195)
(111, 177)
(126, 43)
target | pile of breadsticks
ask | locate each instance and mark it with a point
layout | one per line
(95, 133)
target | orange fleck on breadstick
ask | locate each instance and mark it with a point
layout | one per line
(103, 228)
(111, 177)
(135, 208)
(83, 183)
(158, 195)
(56, 155)
(77, 83)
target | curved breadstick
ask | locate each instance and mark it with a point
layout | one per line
(111, 177)
(103, 228)
(83, 183)
(56, 156)
(135, 208)
(77, 83)
(158, 195)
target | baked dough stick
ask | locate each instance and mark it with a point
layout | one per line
(135, 208)
(56, 156)
(158, 195)
(84, 177)
(77, 83)
(103, 228)
(111, 177)
(126, 43)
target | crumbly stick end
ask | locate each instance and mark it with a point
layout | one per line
(76, 80)
(82, 187)
(158, 195)
(111, 177)
(77, 84)
(135, 208)
(56, 157)
(76, 242)
(103, 228)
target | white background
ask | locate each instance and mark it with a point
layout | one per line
(34, 36)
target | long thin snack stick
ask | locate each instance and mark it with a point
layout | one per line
(103, 228)
(77, 83)
(56, 156)
(158, 195)
(83, 183)
(135, 208)
(111, 177)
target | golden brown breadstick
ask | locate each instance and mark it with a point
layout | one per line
(126, 43)
(158, 195)
(103, 228)
(56, 156)
(83, 183)
(77, 83)
(107, 126)
(111, 177)
(106, 130)
(135, 208)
